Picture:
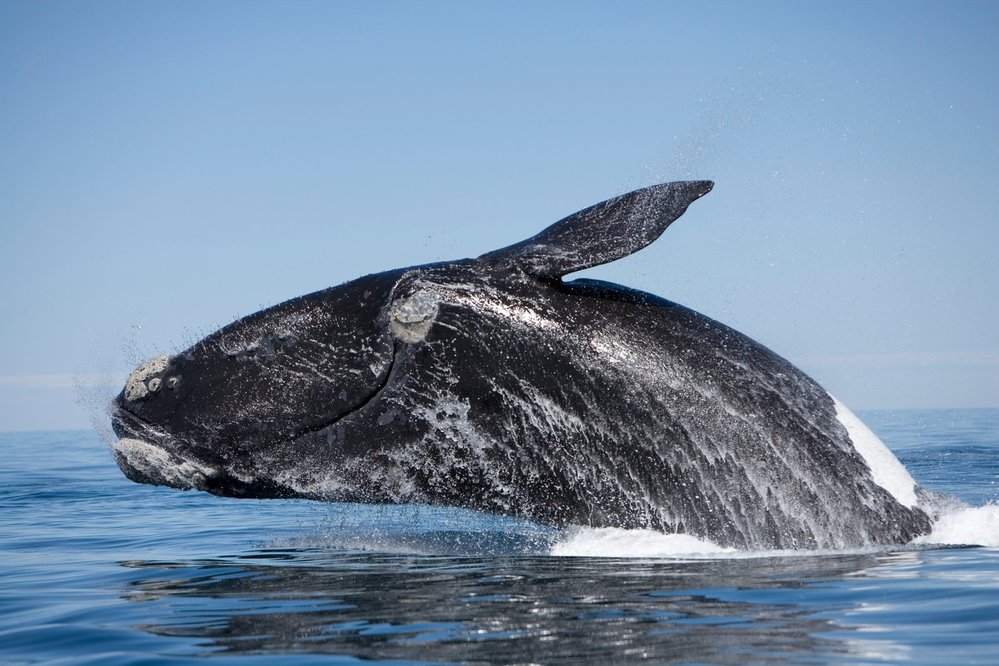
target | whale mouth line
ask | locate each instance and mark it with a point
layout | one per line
(354, 409)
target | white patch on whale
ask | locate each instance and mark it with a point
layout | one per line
(885, 468)
(136, 387)
(410, 319)
(158, 463)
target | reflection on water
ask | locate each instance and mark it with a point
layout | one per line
(512, 609)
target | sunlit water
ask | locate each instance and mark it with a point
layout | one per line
(96, 569)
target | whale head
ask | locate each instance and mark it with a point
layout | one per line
(206, 417)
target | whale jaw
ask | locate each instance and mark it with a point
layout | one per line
(147, 454)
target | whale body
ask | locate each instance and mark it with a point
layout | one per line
(493, 384)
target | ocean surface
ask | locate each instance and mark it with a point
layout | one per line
(95, 569)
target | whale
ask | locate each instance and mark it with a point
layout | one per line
(495, 384)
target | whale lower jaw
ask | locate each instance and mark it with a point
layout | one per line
(148, 454)
(145, 462)
(148, 462)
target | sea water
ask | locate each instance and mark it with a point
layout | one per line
(96, 569)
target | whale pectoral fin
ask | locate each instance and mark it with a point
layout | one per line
(604, 232)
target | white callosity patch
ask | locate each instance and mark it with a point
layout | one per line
(410, 318)
(136, 387)
(158, 463)
(885, 468)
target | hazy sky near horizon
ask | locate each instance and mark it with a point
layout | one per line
(168, 166)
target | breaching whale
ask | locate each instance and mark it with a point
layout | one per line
(492, 384)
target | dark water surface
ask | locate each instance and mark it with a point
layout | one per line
(96, 569)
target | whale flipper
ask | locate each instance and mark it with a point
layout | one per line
(603, 232)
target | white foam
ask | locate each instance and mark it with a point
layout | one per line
(967, 526)
(972, 526)
(885, 468)
(616, 542)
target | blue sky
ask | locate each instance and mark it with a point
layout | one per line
(168, 166)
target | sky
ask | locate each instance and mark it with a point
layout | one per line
(166, 167)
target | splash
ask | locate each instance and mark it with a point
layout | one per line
(423, 530)
(971, 526)
(616, 542)
(959, 525)
(93, 393)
